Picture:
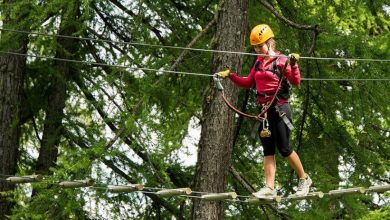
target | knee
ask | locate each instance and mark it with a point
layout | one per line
(269, 152)
(285, 152)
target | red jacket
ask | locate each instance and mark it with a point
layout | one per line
(265, 80)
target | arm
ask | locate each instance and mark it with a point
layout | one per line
(292, 72)
(245, 82)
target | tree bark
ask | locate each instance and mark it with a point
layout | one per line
(216, 142)
(12, 68)
(53, 128)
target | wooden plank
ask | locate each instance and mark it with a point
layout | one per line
(311, 195)
(379, 189)
(77, 183)
(219, 196)
(271, 199)
(24, 179)
(125, 188)
(341, 192)
(174, 192)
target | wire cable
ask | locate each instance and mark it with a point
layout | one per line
(240, 198)
(104, 64)
(345, 79)
(170, 71)
(187, 48)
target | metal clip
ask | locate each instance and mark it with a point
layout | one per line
(265, 132)
(218, 83)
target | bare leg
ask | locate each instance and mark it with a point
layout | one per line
(269, 170)
(296, 164)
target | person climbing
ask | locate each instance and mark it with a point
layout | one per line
(270, 67)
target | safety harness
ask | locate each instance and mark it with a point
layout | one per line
(282, 92)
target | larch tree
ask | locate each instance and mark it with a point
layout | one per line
(121, 103)
(12, 71)
(216, 142)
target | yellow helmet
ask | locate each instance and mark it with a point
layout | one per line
(260, 34)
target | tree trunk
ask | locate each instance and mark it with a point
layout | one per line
(12, 68)
(53, 128)
(216, 142)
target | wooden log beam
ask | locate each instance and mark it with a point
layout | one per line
(219, 196)
(77, 183)
(255, 200)
(341, 192)
(312, 195)
(174, 192)
(379, 189)
(24, 179)
(126, 188)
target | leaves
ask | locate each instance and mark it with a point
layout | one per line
(344, 140)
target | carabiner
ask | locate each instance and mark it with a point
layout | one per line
(217, 81)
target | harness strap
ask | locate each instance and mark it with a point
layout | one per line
(265, 95)
(264, 110)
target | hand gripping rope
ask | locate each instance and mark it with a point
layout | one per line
(262, 116)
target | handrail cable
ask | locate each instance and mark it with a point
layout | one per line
(171, 71)
(187, 48)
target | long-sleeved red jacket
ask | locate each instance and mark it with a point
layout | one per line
(265, 80)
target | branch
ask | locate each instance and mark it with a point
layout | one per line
(313, 45)
(181, 57)
(196, 38)
(285, 20)
(119, 132)
(121, 173)
(143, 20)
(241, 179)
(245, 183)
(109, 25)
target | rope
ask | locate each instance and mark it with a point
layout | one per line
(169, 71)
(236, 110)
(188, 48)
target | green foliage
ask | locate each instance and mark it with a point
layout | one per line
(382, 213)
(344, 141)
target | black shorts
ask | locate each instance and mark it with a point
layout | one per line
(280, 133)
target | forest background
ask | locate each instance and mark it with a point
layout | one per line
(110, 90)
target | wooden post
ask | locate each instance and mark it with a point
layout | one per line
(219, 196)
(340, 192)
(127, 188)
(379, 189)
(77, 183)
(24, 179)
(174, 192)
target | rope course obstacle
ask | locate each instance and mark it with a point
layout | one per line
(206, 196)
(187, 192)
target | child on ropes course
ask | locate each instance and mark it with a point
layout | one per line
(272, 75)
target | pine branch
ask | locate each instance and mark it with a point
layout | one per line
(287, 21)
(143, 20)
(117, 170)
(245, 183)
